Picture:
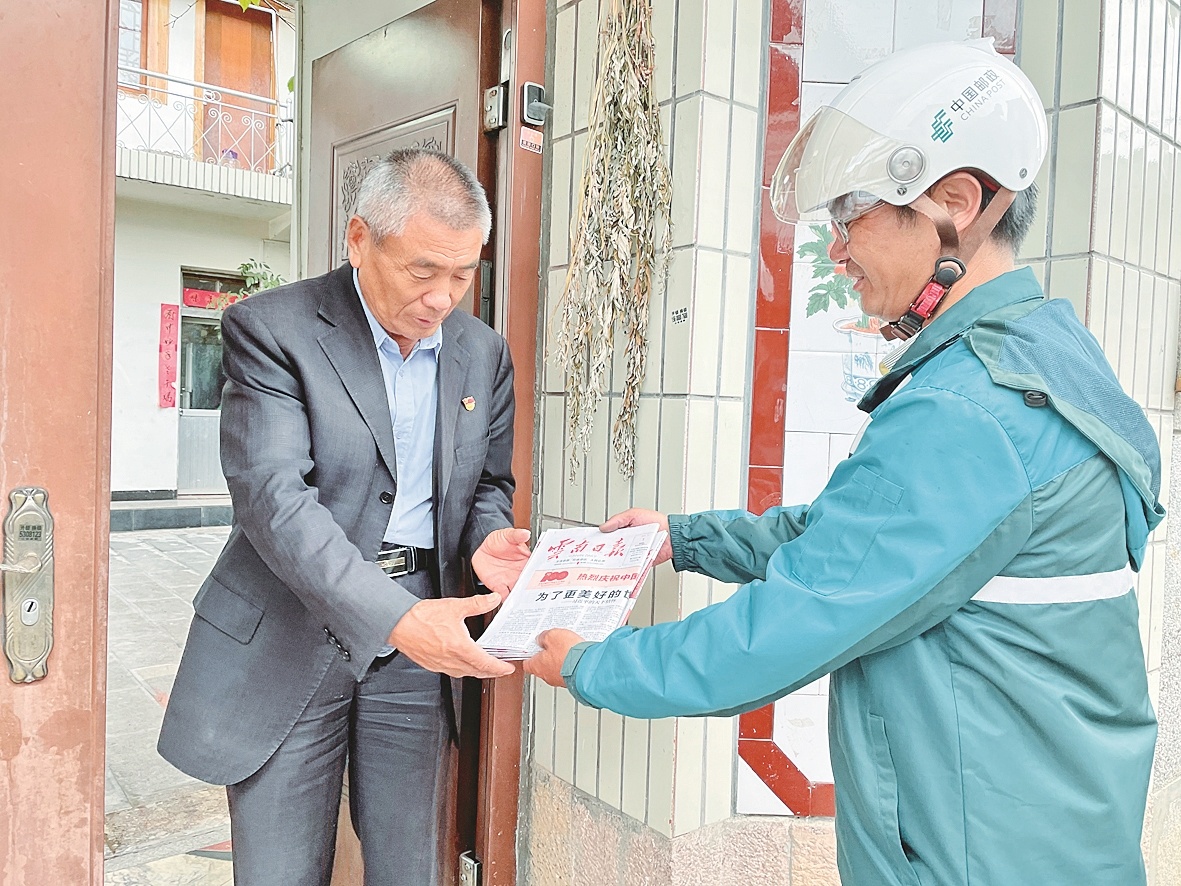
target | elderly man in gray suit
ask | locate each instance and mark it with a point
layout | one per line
(366, 440)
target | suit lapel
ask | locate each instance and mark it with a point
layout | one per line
(350, 349)
(453, 365)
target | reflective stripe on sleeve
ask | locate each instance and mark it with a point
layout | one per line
(1057, 589)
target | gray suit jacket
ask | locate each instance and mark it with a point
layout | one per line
(308, 452)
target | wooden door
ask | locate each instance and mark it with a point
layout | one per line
(418, 82)
(57, 77)
(239, 58)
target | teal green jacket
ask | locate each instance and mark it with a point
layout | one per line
(966, 577)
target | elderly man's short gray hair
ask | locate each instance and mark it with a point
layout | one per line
(414, 180)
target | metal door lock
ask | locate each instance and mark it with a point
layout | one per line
(27, 572)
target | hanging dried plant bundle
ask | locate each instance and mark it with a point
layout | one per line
(619, 248)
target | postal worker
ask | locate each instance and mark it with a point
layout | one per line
(966, 576)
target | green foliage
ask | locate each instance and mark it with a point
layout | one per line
(245, 4)
(831, 288)
(259, 276)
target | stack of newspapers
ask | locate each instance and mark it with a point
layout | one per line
(579, 579)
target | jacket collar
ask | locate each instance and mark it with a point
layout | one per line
(1010, 288)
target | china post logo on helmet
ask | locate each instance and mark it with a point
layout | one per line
(909, 120)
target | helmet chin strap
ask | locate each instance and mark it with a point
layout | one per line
(952, 264)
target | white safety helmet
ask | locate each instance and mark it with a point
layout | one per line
(906, 122)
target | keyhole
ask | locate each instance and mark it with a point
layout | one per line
(30, 612)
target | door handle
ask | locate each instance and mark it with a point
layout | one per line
(27, 575)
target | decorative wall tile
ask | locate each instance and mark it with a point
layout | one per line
(822, 389)
(787, 21)
(839, 448)
(783, 105)
(763, 489)
(801, 730)
(814, 96)
(1076, 164)
(776, 252)
(706, 322)
(768, 398)
(840, 40)
(916, 23)
(754, 797)
(1080, 52)
(742, 164)
(1000, 23)
(805, 466)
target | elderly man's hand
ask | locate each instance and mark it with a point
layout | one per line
(499, 560)
(555, 644)
(432, 634)
(642, 517)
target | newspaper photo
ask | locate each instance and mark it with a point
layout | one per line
(579, 579)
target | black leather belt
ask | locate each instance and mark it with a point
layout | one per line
(398, 560)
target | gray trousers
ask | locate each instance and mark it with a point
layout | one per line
(392, 729)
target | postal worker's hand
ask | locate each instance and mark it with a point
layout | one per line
(642, 517)
(555, 644)
(499, 560)
(432, 634)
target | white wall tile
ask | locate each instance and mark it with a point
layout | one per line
(1165, 209)
(699, 456)
(1080, 51)
(1156, 63)
(561, 201)
(563, 87)
(635, 768)
(801, 729)
(694, 593)
(690, 74)
(611, 758)
(916, 24)
(666, 594)
(720, 750)
(1175, 249)
(1068, 279)
(715, 162)
(584, 60)
(670, 493)
(1104, 181)
(1122, 183)
(814, 96)
(1096, 319)
(1125, 74)
(1168, 376)
(600, 464)
(839, 448)
(744, 166)
(1151, 204)
(586, 754)
(805, 466)
(663, 25)
(1155, 343)
(1141, 59)
(1172, 61)
(543, 724)
(690, 775)
(737, 323)
(564, 720)
(841, 39)
(754, 797)
(1108, 50)
(1135, 193)
(1145, 319)
(1035, 241)
(619, 487)
(552, 464)
(748, 51)
(685, 169)
(660, 776)
(648, 452)
(1076, 165)
(729, 461)
(1125, 365)
(678, 321)
(657, 321)
(719, 46)
(705, 318)
(1038, 32)
(817, 399)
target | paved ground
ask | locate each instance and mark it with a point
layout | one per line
(162, 827)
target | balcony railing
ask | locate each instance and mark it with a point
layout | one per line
(202, 122)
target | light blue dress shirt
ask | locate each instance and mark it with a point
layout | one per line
(411, 388)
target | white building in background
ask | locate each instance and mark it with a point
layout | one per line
(204, 161)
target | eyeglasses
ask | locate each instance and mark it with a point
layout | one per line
(847, 208)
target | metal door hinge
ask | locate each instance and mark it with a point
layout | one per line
(469, 869)
(496, 107)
